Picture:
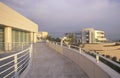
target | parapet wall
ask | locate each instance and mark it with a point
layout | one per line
(87, 63)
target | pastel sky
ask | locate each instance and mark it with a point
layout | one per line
(61, 16)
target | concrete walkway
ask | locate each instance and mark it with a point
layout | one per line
(49, 64)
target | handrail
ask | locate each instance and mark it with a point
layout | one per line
(1, 59)
(6, 64)
(14, 65)
(98, 57)
(104, 58)
(23, 60)
(9, 74)
(115, 66)
(22, 56)
(7, 69)
(23, 63)
(92, 64)
(13, 46)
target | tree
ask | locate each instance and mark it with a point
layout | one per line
(114, 58)
(107, 56)
(50, 38)
(57, 39)
(70, 38)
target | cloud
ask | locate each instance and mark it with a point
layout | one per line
(70, 15)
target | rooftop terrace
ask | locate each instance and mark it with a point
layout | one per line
(47, 63)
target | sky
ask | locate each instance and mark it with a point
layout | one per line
(60, 16)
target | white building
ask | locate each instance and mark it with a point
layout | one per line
(15, 28)
(89, 35)
(42, 35)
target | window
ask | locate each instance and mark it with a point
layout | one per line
(1, 38)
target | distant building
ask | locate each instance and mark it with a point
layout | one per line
(73, 38)
(89, 35)
(42, 35)
(15, 28)
(78, 37)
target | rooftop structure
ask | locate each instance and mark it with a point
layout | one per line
(15, 28)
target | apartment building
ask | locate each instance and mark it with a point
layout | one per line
(15, 28)
(90, 35)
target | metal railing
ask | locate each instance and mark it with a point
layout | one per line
(13, 47)
(13, 65)
(115, 66)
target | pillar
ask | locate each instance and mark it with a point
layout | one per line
(61, 43)
(31, 37)
(97, 58)
(8, 38)
(80, 50)
(35, 37)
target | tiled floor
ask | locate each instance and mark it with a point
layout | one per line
(47, 63)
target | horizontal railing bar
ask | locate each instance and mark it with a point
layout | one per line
(7, 69)
(8, 74)
(13, 66)
(23, 55)
(107, 59)
(75, 46)
(104, 58)
(15, 42)
(23, 63)
(21, 68)
(6, 63)
(110, 61)
(23, 59)
(1, 59)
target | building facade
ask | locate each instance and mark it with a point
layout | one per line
(42, 35)
(15, 28)
(89, 35)
(73, 38)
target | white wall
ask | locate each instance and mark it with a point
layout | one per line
(11, 18)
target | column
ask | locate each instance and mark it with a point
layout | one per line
(31, 37)
(35, 37)
(8, 38)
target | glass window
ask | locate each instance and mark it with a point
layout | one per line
(20, 36)
(1, 39)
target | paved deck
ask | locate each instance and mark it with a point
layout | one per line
(49, 64)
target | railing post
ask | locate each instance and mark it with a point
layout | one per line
(61, 43)
(15, 66)
(22, 45)
(31, 48)
(9, 46)
(69, 46)
(6, 46)
(56, 43)
(97, 58)
(80, 50)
